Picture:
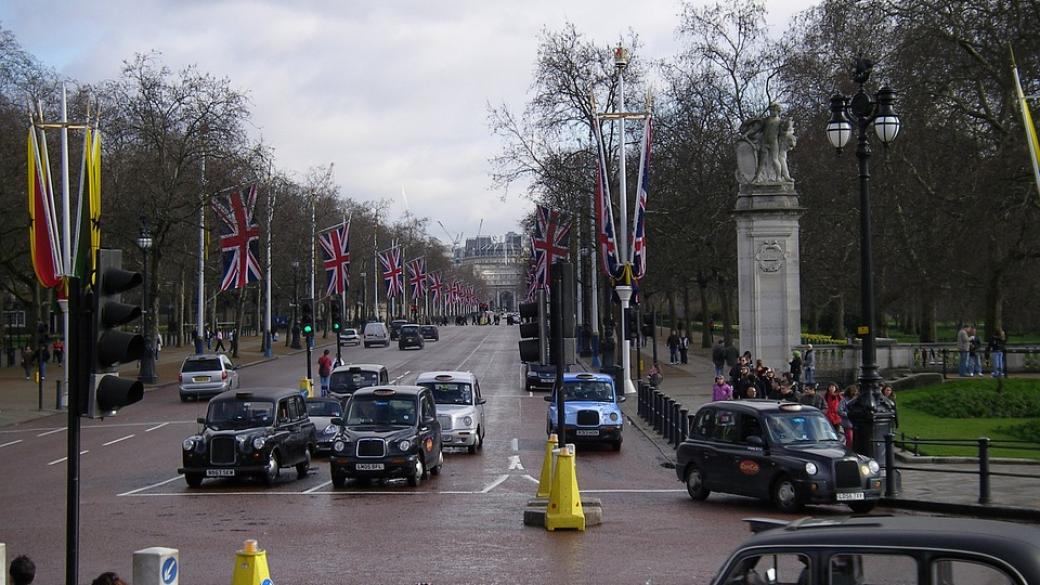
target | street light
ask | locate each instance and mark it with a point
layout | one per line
(871, 415)
(364, 296)
(147, 373)
(294, 330)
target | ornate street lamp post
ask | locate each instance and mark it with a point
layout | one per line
(871, 415)
(147, 373)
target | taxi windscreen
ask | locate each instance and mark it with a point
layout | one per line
(378, 410)
(347, 382)
(450, 392)
(324, 408)
(590, 391)
(236, 414)
(799, 427)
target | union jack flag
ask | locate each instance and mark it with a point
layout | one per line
(436, 285)
(453, 292)
(605, 215)
(549, 242)
(393, 275)
(239, 238)
(639, 228)
(417, 278)
(335, 252)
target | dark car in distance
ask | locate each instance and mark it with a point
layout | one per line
(430, 332)
(910, 550)
(785, 452)
(388, 432)
(539, 377)
(409, 336)
(250, 433)
(395, 328)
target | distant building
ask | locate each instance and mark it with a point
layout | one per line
(499, 262)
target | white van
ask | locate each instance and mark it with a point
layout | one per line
(376, 334)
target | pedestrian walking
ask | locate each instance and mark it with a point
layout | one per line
(325, 372)
(848, 397)
(684, 347)
(58, 351)
(220, 341)
(673, 347)
(809, 365)
(796, 365)
(209, 339)
(721, 390)
(963, 345)
(974, 363)
(997, 345)
(22, 570)
(158, 345)
(718, 358)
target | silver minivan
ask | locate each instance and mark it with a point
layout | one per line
(206, 374)
(376, 334)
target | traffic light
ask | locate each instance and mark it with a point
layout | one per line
(110, 347)
(336, 318)
(307, 319)
(563, 304)
(533, 330)
(648, 325)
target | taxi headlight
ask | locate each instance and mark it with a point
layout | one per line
(329, 430)
(188, 444)
(258, 443)
(467, 421)
(811, 468)
(614, 417)
(873, 467)
(404, 445)
(339, 446)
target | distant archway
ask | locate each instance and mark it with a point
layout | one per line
(506, 300)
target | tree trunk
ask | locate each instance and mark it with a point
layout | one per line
(686, 307)
(181, 322)
(928, 326)
(994, 303)
(725, 300)
(671, 310)
(702, 287)
(838, 330)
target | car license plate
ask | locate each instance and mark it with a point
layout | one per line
(445, 438)
(586, 433)
(369, 466)
(849, 496)
(198, 379)
(220, 473)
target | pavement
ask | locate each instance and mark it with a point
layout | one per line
(939, 484)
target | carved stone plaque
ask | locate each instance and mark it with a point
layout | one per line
(770, 256)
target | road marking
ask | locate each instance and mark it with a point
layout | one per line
(11, 443)
(56, 461)
(530, 394)
(130, 436)
(317, 487)
(148, 487)
(494, 484)
(479, 345)
(514, 462)
(515, 443)
(526, 476)
(394, 381)
(632, 491)
(159, 426)
(51, 432)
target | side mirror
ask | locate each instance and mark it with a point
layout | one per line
(548, 398)
(755, 440)
(201, 420)
(337, 421)
(622, 398)
(482, 401)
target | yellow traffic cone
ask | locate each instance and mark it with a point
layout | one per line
(545, 479)
(565, 509)
(307, 387)
(251, 566)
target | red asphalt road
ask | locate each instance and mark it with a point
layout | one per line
(464, 526)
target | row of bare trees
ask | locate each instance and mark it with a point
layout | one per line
(954, 204)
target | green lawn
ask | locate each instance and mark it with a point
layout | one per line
(916, 422)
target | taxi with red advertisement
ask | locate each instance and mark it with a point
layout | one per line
(784, 452)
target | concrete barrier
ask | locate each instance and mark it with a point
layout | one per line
(157, 566)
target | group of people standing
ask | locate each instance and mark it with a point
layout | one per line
(678, 347)
(969, 346)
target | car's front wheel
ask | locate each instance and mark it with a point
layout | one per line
(695, 483)
(417, 474)
(304, 467)
(193, 480)
(864, 507)
(436, 470)
(339, 481)
(785, 496)
(272, 469)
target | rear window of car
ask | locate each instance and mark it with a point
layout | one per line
(345, 382)
(427, 329)
(350, 332)
(325, 408)
(374, 329)
(206, 365)
(409, 329)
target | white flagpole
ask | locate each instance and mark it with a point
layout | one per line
(201, 302)
(66, 227)
(314, 314)
(624, 289)
(268, 350)
(377, 271)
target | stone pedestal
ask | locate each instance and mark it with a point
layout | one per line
(767, 216)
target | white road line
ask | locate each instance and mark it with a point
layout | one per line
(394, 382)
(159, 426)
(494, 484)
(515, 444)
(11, 443)
(148, 487)
(514, 462)
(51, 432)
(479, 345)
(525, 476)
(530, 394)
(195, 494)
(118, 440)
(317, 487)
(632, 491)
(57, 461)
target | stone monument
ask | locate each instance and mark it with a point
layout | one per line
(767, 214)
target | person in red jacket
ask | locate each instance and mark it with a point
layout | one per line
(833, 400)
(325, 372)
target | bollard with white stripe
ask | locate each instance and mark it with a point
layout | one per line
(157, 566)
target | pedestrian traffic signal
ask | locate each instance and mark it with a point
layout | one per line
(336, 317)
(307, 319)
(648, 325)
(533, 330)
(110, 347)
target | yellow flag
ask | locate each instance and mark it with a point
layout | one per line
(1027, 121)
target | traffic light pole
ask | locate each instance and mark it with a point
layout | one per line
(556, 314)
(77, 363)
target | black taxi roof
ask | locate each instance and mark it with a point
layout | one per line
(257, 394)
(761, 405)
(407, 391)
(1016, 544)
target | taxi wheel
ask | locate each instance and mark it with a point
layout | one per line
(695, 483)
(193, 480)
(862, 507)
(440, 463)
(480, 439)
(785, 496)
(339, 481)
(272, 469)
(616, 445)
(418, 474)
(304, 467)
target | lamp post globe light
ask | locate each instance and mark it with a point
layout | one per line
(147, 373)
(871, 415)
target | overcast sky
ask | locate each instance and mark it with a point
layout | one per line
(394, 93)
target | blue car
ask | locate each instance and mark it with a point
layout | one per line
(592, 411)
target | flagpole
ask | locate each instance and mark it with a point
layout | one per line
(200, 306)
(375, 268)
(594, 285)
(310, 340)
(66, 226)
(268, 350)
(624, 290)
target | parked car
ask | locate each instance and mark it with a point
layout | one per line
(345, 380)
(376, 334)
(592, 410)
(388, 432)
(395, 328)
(206, 374)
(250, 433)
(321, 412)
(460, 407)
(349, 337)
(430, 332)
(409, 336)
(539, 377)
(785, 452)
(885, 549)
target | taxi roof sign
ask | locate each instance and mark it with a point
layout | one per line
(790, 406)
(444, 377)
(384, 392)
(243, 395)
(586, 376)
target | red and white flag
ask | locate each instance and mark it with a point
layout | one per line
(335, 254)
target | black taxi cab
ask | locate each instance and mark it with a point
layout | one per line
(387, 432)
(250, 433)
(903, 550)
(785, 452)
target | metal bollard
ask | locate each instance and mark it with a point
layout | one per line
(641, 398)
(684, 424)
(984, 470)
(676, 425)
(658, 411)
(890, 466)
(655, 396)
(666, 414)
(57, 395)
(670, 428)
